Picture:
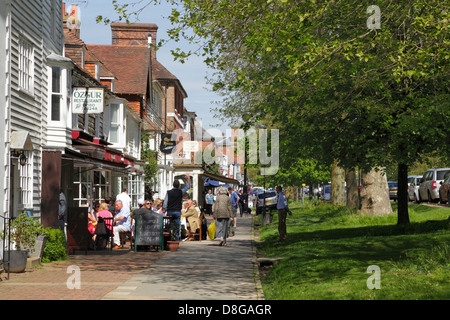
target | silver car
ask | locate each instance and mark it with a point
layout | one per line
(429, 188)
(271, 201)
(413, 187)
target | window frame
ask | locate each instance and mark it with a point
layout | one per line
(25, 63)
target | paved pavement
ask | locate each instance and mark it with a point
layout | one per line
(198, 270)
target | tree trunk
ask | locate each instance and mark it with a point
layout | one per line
(402, 193)
(375, 193)
(337, 196)
(352, 189)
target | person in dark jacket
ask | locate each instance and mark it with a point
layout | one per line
(173, 202)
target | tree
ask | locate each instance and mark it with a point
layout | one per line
(364, 97)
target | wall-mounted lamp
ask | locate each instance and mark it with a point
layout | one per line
(20, 155)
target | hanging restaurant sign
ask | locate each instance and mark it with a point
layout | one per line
(167, 144)
(87, 100)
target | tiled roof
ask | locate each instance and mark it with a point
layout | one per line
(160, 72)
(71, 38)
(129, 63)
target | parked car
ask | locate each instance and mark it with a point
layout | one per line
(271, 201)
(393, 188)
(444, 190)
(413, 187)
(429, 188)
(326, 192)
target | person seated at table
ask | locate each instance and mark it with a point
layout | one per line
(103, 227)
(143, 208)
(147, 205)
(105, 213)
(194, 203)
(157, 206)
(92, 220)
(122, 221)
(192, 217)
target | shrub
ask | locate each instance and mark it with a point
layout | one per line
(24, 230)
(55, 247)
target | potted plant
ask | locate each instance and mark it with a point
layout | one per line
(173, 243)
(23, 232)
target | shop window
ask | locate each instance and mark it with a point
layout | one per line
(134, 189)
(102, 184)
(82, 184)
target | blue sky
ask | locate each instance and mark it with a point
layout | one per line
(191, 74)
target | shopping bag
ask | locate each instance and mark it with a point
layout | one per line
(212, 230)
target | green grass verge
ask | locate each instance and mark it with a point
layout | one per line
(330, 248)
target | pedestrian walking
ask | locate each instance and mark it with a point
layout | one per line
(173, 202)
(222, 213)
(234, 204)
(242, 198)
(283, 209)
(209, 199)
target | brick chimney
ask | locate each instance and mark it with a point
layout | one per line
(134, 34)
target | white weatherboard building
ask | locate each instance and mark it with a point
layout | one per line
(30, 31)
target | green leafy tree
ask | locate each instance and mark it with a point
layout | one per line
(150, 157)
(364, 97)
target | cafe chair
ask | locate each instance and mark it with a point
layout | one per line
(128, 234)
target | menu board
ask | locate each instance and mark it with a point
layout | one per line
(149, 230)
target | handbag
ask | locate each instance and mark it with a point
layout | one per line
(212, 230)
(101, 229)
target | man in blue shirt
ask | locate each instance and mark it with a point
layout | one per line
(234, 204)
(283, 209)
(122, 222)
